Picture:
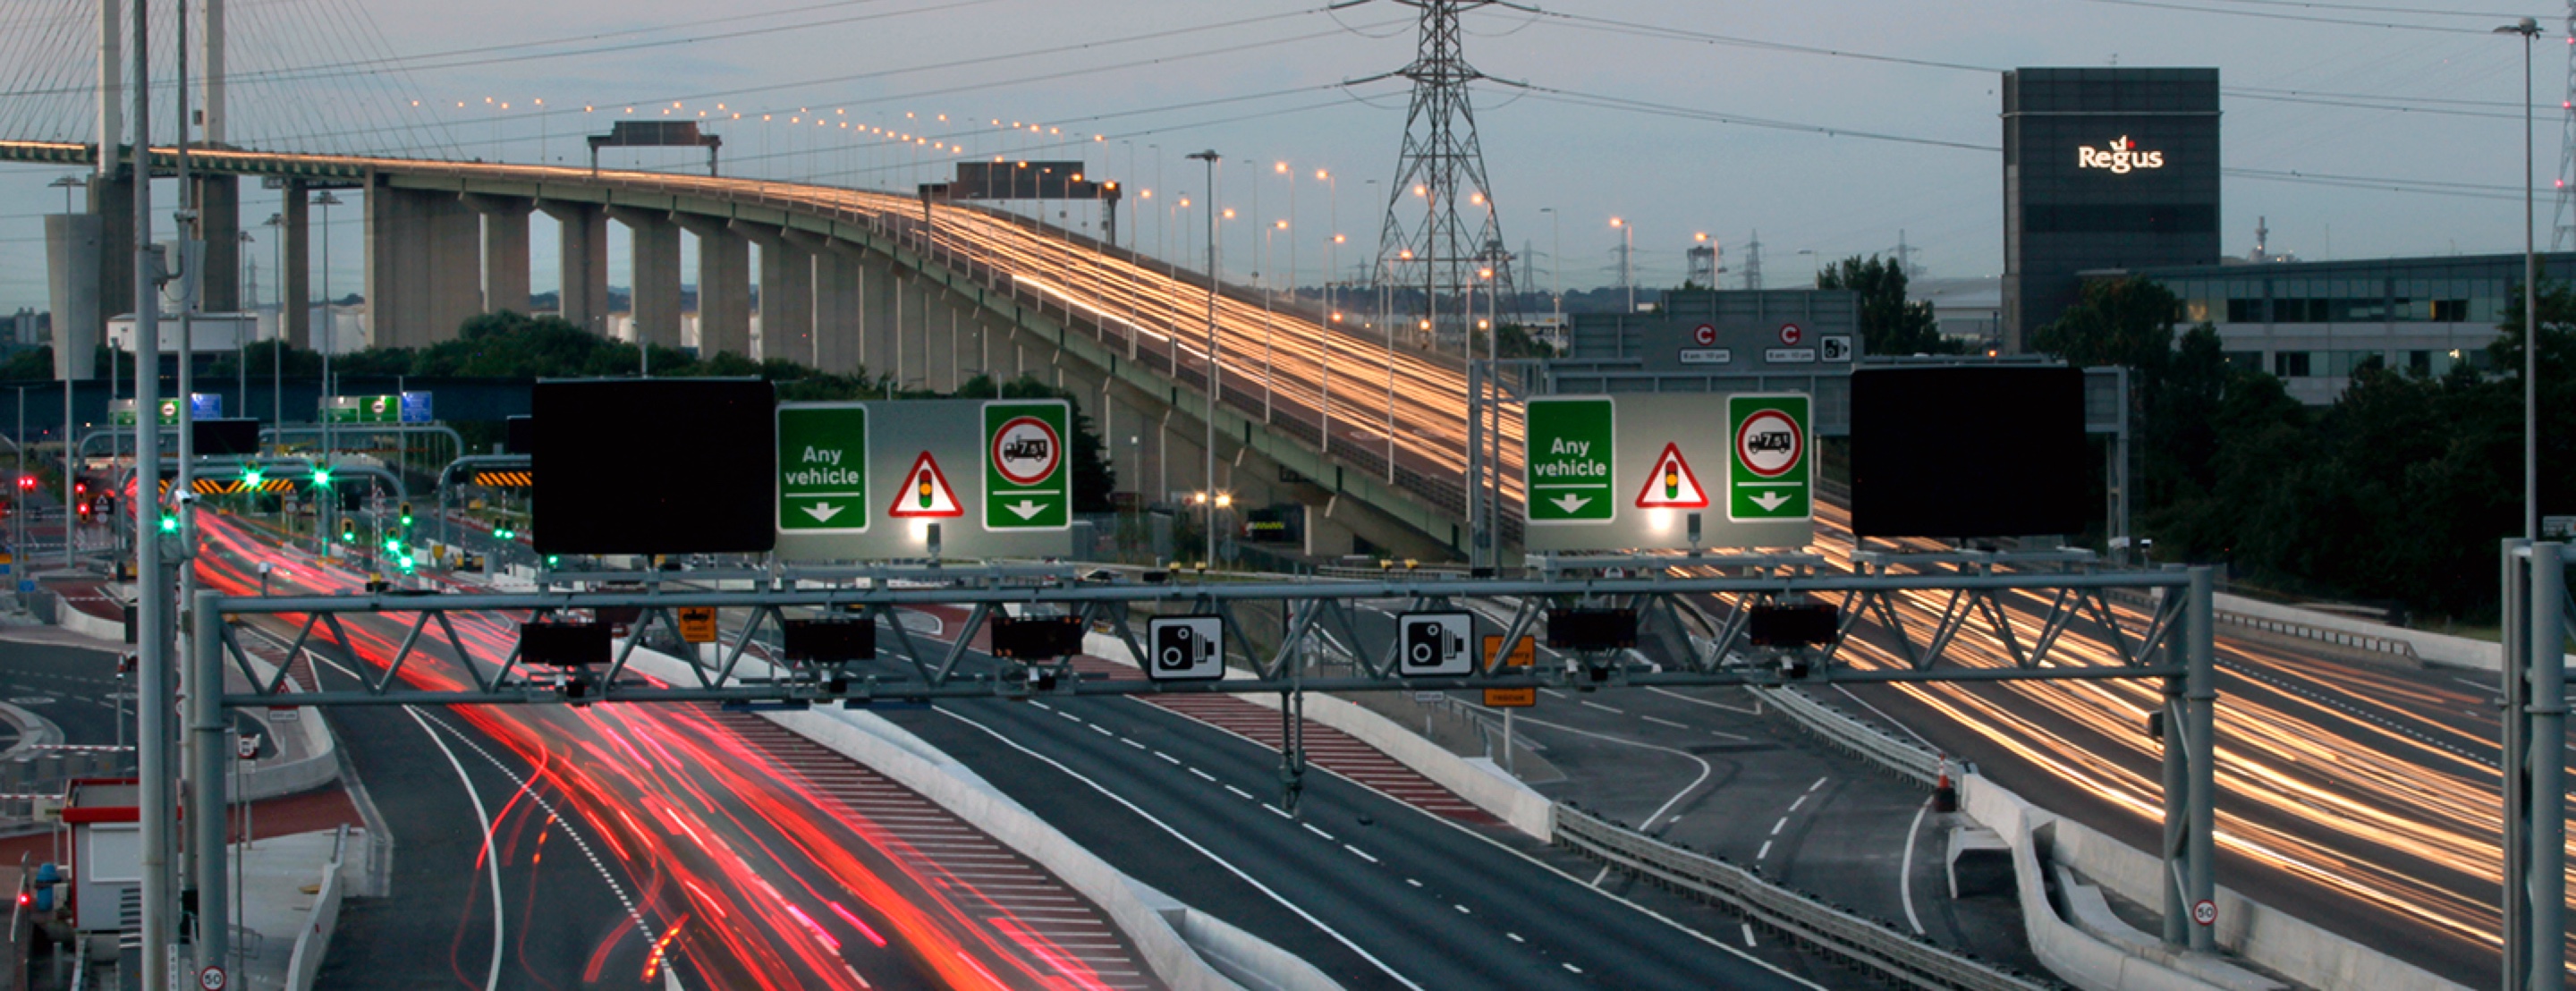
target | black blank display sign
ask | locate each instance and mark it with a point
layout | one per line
(1968, 452)
(654, 466)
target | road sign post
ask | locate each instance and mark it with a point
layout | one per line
(1569, 451)
(1027, 483)
(1771, 475)
(823, 468)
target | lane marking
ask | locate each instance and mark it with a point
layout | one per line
(1310, 827)
(1891, 720)
(1820, 782)
(1598, 878)
(1131, 742)
(491, 859)
(1357, 852)
(1573, 968)
(1905, 873)
(1242, 794)
(1748, 934)
(1704, 768)
(1663, 722)
(1765, 852)
(1203, 774)
(1668, 693)
(1168, 759)
(1802, 800)
(1194, 845)
(1462, 909)
(1778, 826)
(1604, 708)
(1277, 811)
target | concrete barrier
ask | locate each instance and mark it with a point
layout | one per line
(319, 766)
(1178, 961)
(313, 941)
(2254, 932)
(70, 618)
(1475, 779)
(2430, 647)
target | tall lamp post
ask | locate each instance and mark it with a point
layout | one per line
(1627, 251)
(1214, 383)
(330, 338)
(2530, 31)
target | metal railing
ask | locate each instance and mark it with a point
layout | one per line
(1853, 939)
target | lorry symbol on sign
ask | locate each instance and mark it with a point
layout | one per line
(1771, 441)
(1025, 450)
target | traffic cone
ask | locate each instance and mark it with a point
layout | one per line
(1945, 796)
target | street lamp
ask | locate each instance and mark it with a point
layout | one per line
(1556, 261)
(1215, 381)
(1627, 246)
(2530, 31)
(277, 345)
(67, 184)
(330, 337)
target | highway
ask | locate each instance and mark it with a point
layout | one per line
(1379, 893)
(691, 848)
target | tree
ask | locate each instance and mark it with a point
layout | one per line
(2119, 322)
(1890, 324)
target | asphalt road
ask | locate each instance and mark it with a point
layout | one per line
(1377, 893)
(74, 686)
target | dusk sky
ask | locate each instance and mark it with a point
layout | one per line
(1828, 127)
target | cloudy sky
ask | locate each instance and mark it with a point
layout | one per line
(1831, 127)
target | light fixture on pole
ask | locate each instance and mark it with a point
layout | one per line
(1215, 382)
(2530, 31)
(1627, 247)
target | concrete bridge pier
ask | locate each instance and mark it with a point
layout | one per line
(582, 260)
(786, 295)
(724, 286)
(219, 223)
(423, 265)
(505, 251)
(879, 312)
(295, 285)
(839, 291)
(656, 242)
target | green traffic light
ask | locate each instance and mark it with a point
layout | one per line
(321, 478)
(251, 478)
(552, 560)
(169, 523)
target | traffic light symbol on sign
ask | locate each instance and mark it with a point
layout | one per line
(925, 493)
(1672, 485)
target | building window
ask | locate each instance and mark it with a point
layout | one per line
(2290, 364)
(2448, 310)
(2251, 361)
(2245, 311)
(2348, 362)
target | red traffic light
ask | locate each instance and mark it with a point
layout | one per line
(80, 488)
(27, 482)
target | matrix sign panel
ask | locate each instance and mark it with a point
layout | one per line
(654, 466)
(1970, 452)
(992, 476)
(1628, 472)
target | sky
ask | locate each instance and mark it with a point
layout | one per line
(1827, 128)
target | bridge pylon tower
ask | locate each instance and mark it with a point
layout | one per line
(2562, 234)
(1441, 229)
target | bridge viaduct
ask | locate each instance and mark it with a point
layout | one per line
(926, 295)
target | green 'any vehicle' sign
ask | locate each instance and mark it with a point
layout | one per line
(1567, 460)
(1027, 483)
(823, 468)
(1769, 475)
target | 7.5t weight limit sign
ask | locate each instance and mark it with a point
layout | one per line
(1769, 477)
(1027, 483)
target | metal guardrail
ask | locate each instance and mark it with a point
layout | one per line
(1856, 940)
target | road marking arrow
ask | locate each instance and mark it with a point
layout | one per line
(822, 512)
(1769, 501)
(1026, 509)
(1570, 502)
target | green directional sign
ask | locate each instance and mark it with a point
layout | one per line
(1569, 454)
(363, 409)
(1028, 484)
(823, 468)
(1770, 475)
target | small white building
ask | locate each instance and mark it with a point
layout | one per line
(209, 333)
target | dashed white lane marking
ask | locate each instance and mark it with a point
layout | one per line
(1802, 800)
(1573, 968)
(1413, 882)
(1102, 730)
(1820, 782)
(2393, 726)
(1778, 826)
(1755, 711)
(1515, 937)
(491, 857)
(1203, 774)
(1764, 852)
(1042, 705)
(1357, 852)
(1277, 811)
(1167, 758)
(1131, 742)
(1551, 693)
(1605, 708)
(1748, 934)
(1240, 793)
(1070, 716)
(1462, 909)
(1310, 827)
(1598, 878)
(1663, 722)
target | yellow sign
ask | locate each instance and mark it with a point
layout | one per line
(698, 624)
(1524, 654)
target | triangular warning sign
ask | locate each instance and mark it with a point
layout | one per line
(925, 492)
(1672, 486)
